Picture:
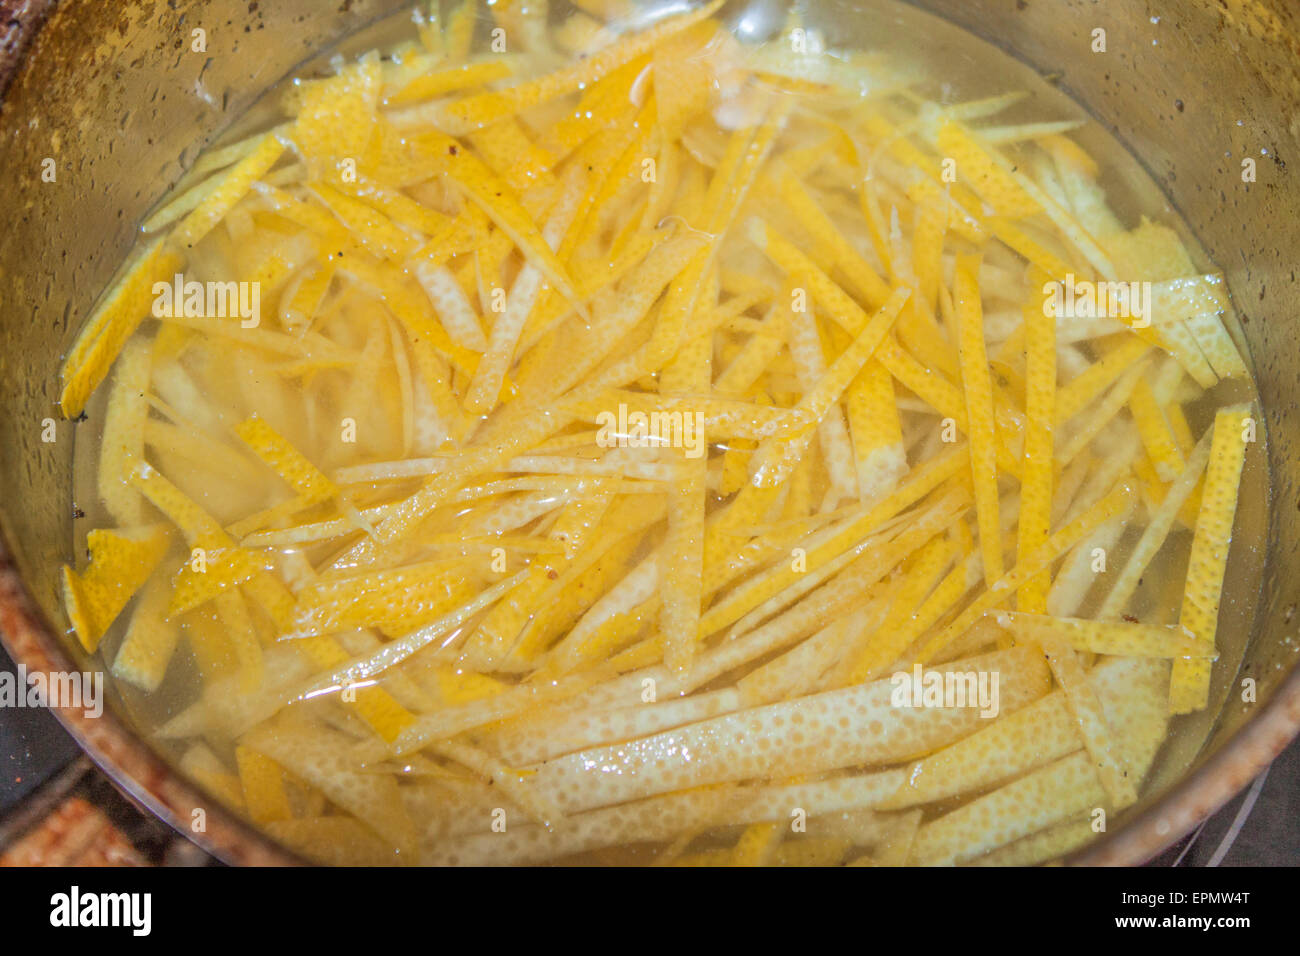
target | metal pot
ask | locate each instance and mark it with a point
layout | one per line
(117, 97)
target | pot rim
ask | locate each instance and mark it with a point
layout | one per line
(1195, 797)
(128, 761)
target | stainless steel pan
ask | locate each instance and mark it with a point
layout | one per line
(113, 93)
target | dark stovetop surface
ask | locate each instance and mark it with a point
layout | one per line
(33, 748)
(1260, 827)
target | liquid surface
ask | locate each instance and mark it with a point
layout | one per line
(611, 438)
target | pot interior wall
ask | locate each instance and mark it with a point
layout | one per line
(1193, 91)
(119, 98)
